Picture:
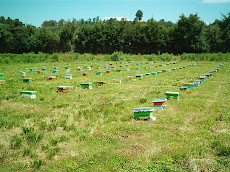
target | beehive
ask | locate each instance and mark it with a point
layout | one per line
(85, 74)
(22, 73)
(29, 94)
(44, 69)
(118, 70)
(63, 89)
(86, 85)
(196, 83)
(55, 71)
(159, 72)
(39, 72)
(202, 78)
(127, 69)
(98, 73)
(173, 69)
(170, 95)
(117, 80)
(88, 68)
(67, 70)
(55, 68)
(27, 79)
(32, 70)
(130, 77)
(100, 83)
(108, 71)
(52, 77)
(207, 74)
(145, 67)
(138, 75)
(153, 73)
(147, 74)
(184, 89)
(189, 85)
(121, 66)
(167, 64)
(68, 76)
(79, 69)
(2, 82)
(159, 103)
(137, 68)
(144, 113)
(151, 67)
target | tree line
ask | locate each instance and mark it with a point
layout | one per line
(188, 35)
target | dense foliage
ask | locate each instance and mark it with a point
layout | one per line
(189, 35)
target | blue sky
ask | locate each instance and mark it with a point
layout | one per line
(36, 11)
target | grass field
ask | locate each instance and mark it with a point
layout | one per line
(94, 130)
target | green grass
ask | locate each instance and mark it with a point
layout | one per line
(94, 130)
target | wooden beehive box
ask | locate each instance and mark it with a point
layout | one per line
(68, 76)
(85, 74)
(159, 72)
(2, 82)
(138, 75)
(44, 69)
(118, 70)
(22, 73)
(108, 71)
(159, 103)
(39, 72)
(172, 95)
(98, 73)
(52, 77)
(189, 85)
(117, 80)
(29, 94)
(130, 77)
(86, 85)
(144, 113)
(184, 89)
(63, 89)
(100, 83)
(147, 74)
(153, 73)
(32, 70)
(27, 79)
(79, 68)
(55, 71)
(202, 78)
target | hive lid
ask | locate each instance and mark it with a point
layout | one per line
(139, 74)
(168, 92)
(101, 81)
(188, 83)
(27, 78)
(63, 87)
(52, 77)
(85, 73)
(183, 87)
(89, 83)
(68, 74)
(203, 77)
(159, 100)
(117, 79)
(28, 92)
(143, 109)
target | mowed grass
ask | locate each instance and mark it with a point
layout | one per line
(94, 130)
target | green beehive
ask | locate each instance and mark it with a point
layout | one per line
(138, 75)
(79, 68)
(137, 68)
(173, 69)
(167, 64)
(147, 74)
(98, 73)
(118, 70)
(22, 73)
(153, 73)
(55, 71)
(29, 94)
(1, 75)
(27, 80)
(44, 69)
(202, 78)
(159, 72)
(170, 95)
(86, 85)
(144, 113)
(189, 85)
(145, 67)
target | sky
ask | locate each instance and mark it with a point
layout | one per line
(36, 11)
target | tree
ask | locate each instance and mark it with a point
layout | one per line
(189, 35)
(139, 15)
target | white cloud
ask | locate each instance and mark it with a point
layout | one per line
(118, 18)
(215, 1)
